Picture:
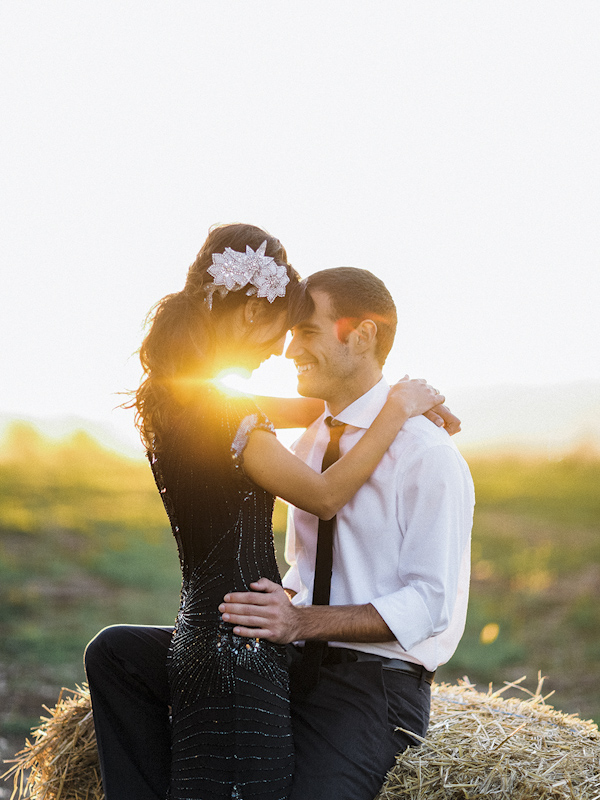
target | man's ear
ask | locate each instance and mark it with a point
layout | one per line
(364, 335)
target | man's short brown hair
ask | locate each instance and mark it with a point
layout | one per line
(355, 295)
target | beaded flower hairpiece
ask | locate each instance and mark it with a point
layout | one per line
(233, 270)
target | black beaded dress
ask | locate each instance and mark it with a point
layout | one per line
(232, 737)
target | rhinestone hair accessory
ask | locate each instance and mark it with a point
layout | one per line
(234, 270)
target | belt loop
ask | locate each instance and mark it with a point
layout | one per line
(422, 679)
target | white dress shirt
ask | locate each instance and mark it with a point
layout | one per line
(402, 543)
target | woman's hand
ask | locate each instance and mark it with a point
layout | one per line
(440, 414)
(444, 418)
(414, 397)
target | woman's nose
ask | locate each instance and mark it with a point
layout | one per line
(279, 347)
(292, 348)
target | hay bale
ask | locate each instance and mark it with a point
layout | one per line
(478, 746)
(61, 760)
(485, 746)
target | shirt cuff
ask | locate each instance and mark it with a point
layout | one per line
(407, 616)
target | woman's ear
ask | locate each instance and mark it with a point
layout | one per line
(364, 335)
(251, 310)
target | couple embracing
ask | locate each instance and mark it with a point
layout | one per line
(264, 691)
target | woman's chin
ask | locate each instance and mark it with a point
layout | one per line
(251, 363)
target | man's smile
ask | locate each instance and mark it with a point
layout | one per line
(302, 368)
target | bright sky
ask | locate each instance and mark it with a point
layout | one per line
(450, 147)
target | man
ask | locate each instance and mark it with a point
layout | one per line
(400, 560)
(398, 587)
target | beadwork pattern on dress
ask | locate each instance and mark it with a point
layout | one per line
(232, 735)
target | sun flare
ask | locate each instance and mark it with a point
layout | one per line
(276, 377)
(232, 382)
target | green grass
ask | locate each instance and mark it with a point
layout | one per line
(84, 543)
(563, 492)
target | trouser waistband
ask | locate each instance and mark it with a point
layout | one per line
(343, 655)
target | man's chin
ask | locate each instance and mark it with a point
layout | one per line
(305, 389)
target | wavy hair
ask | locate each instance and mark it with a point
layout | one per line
(181, 341)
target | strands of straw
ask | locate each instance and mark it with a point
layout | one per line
(60, 762)
(485, 746)
(478, 746)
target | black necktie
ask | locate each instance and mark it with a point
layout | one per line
(315, 650)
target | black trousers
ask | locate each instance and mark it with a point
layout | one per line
(345, 734)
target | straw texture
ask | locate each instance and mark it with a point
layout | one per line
(60, 762)
(479, 745)
(485, 746)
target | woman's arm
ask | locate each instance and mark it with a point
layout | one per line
(290, 412)
(269, 464)
(300, 412)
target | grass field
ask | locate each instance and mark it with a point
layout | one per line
(84, 544)
(536, 579)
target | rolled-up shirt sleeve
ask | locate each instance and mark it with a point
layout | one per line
(434, 515)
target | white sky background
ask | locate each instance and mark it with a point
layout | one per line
(450, 147)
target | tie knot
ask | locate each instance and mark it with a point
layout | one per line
(336, 428)
(332, 453)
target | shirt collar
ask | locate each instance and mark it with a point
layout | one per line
(362, 412)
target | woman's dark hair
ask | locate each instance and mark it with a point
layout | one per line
(180, 343)
(355, 294)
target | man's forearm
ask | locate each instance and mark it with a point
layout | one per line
(267, 613)
(361, 623)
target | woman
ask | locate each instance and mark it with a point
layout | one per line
(229, 695)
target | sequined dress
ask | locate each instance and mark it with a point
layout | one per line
(230, 703)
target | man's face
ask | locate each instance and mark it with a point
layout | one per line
(325, 364)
